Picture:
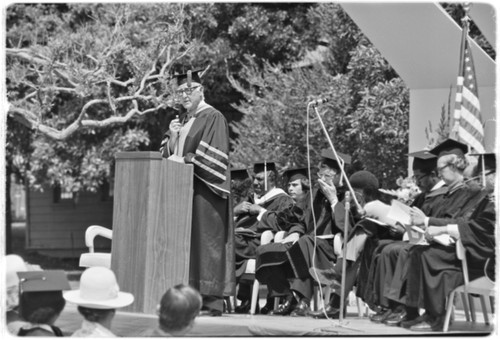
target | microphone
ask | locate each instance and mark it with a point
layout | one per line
(319, 101)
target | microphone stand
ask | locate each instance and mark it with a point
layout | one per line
(341, 323)
(337, 158)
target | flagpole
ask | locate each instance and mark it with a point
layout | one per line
(465, 31)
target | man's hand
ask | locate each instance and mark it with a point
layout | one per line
(242, 208)
(417, 217)
(431, 232)
(329, 191)
(174, 127)
(255, 209)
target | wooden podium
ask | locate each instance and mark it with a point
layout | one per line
(151, 226)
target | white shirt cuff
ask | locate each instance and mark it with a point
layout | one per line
(426, 221)
(259, 216)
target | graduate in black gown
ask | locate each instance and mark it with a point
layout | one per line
(436, 271)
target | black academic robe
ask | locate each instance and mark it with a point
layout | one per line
(249, 229)
(301, 254)
(207, 148)
(458, 202)
(437, 270)
(381, 269)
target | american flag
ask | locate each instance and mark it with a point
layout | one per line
(468, 127)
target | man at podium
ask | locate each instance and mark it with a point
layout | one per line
(200, 137)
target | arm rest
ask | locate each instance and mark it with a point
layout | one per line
(92, 232)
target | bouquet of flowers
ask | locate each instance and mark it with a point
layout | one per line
(407, 191)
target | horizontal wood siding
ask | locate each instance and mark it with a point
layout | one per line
(60, 227)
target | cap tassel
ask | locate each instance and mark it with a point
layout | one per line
(189, 78)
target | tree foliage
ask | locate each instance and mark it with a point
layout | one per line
(366, 117)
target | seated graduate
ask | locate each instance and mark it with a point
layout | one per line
(40, 303)
(365, 186)
(254, 216)
(97, 299)
(458, 200)
(385, 256)
(177, 311)
(436, 270)
(285, 267)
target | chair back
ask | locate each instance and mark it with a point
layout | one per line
(92, 232)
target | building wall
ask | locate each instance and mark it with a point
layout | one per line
(58, 229)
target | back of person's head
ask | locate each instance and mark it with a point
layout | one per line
(178, 308)
(366, 182)
(95, 314)
(41, 307)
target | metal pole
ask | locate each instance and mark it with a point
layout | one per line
(344, 252)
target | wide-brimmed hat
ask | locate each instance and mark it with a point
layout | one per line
(99, 290)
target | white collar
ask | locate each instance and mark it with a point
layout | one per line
(438, 185)
(270, 194)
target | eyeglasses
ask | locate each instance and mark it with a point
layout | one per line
(443, 167)
(186, 91)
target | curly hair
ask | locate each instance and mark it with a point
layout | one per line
(179, 306)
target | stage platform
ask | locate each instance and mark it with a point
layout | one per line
(241, 325)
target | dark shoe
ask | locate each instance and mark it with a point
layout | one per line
(412, 322)
(268, 307)
(395, 319)
(327, 277)
(330, 312)
(284, 309)
(438, 324)
(302, 309)
(210, 312)
(243, 308)
(381, 316)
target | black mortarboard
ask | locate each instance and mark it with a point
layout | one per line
(450, 147)
(263, 166)
(188, 77)
(43, 281)
(239, 174)
(490, 161)
(330, 159)
(424, 161)
(291, 175)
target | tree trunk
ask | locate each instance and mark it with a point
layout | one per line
(8, 210)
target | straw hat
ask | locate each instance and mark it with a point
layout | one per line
(99, 290)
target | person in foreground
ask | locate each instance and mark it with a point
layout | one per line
(97, 299)
(177, 311)
(40, 303)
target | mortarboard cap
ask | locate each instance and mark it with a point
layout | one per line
(424, 161)
(291, 175)
(43, 281)
(263, 166)
(490, 162)
(188, 77)
(239, 174)
(330, 159)
(450, 147)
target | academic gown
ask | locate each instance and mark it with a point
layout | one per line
(249, 229)
(459, 202)
(436, 268)
(206, 147)
(385, 256)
